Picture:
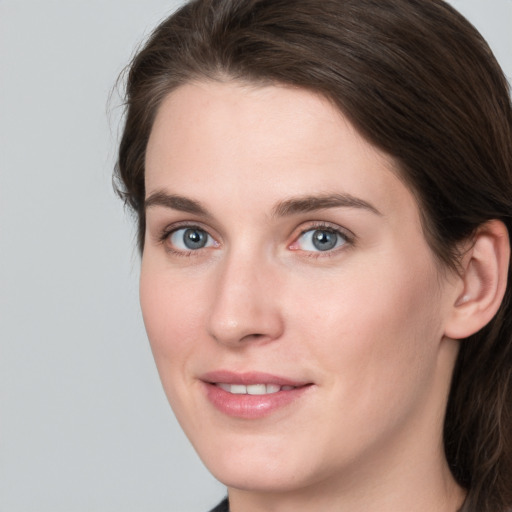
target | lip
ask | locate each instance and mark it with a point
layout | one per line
(251, 406)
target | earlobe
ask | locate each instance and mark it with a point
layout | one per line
(483, 281)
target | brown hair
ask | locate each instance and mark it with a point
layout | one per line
(419, 82)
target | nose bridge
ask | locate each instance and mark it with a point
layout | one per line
(244, 306)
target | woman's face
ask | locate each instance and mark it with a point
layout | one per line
(294, 309)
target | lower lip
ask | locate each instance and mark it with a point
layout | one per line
(251, 406)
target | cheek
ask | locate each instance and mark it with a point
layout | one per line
(171, 311)
(376, 327)
(171, 316)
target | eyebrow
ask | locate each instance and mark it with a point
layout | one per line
(175, 202)
(288, 207)
(305, 204)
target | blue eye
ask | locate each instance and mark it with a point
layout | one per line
(320, 239)
(190, 239)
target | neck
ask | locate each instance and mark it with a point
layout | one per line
(397, 491)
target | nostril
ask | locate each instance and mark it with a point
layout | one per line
(253, 337)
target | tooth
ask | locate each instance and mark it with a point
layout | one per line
(253, 389)
(238, 389)
(272, 388)
(256, 389)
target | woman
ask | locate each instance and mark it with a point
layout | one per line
(324, 197)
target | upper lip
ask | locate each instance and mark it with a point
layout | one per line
(248, 378)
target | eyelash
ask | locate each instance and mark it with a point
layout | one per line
(347, 236)
(169, 231)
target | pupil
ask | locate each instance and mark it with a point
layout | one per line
(194, 238)
(324, 240)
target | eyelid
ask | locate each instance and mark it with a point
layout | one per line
(349, 237)
(183, 224)
(164, 235)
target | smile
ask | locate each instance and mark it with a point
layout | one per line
(253, 389)
(252, 395)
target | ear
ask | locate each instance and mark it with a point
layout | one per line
(482, 281)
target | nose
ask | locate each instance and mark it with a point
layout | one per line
(245, 305)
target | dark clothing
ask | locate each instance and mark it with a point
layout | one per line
(221, 507)
(224, 507)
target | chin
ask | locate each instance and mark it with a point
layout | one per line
(258, 477)
(260, 465)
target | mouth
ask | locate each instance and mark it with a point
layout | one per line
(252, 395)
(253, 389)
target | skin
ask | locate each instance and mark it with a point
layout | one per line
(363, 323)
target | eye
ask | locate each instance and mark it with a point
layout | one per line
(319, 240)
(190, 239)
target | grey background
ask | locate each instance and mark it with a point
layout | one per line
(84, 424)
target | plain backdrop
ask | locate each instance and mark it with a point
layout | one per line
(84, 424)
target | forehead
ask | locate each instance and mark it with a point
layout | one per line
(247, 118)
(247, 139)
